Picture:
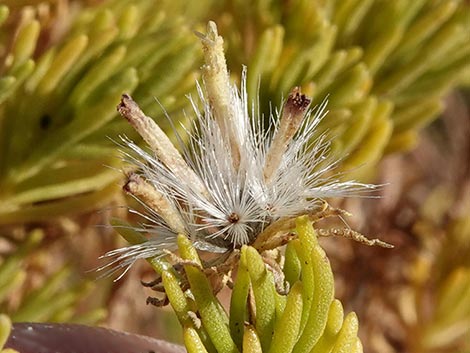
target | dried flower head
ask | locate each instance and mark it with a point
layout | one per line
(237, 181)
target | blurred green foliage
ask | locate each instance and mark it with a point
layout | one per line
(436, 304)
(53, 297)
(58, 103)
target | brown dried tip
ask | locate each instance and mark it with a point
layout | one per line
(297, 102)
(292, 117)
(158, 141)
(132, 180)
(127, 106)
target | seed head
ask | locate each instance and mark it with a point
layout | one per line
(236, 177)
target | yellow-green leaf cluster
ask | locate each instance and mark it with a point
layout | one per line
(307, 319)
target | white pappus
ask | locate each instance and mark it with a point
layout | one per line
(236, 181)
